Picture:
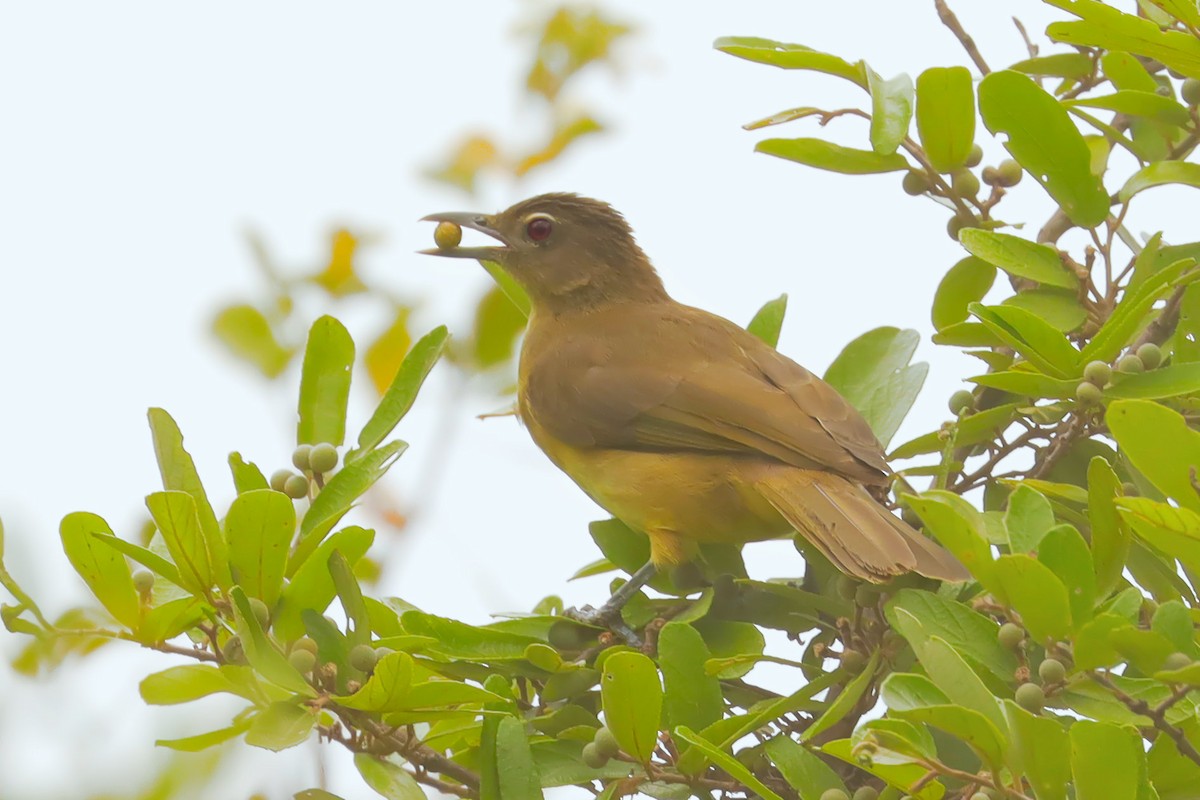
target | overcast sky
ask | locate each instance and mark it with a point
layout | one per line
(141, 139)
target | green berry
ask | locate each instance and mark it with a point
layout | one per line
(1129, 489)
(363, 657)
(991, 176)
(323, 457)
(592, 756)
(605, 742)
(1177, 661)
(846, 587)
(1010, 635)
(1150, 354)
(854, 661)
(834, 794)
(1051, 671)
(143, 581)
(911, 517)
(1088, 394)
(382, 652)
(1097, 372)
(915, 183)
(296, 487)
(961, 401)
(301, 455)
(232, 651)
(866, 793)
(279, 478)
(304, 643)
(302, 660)
(957, 223)
(1190, 91)
(447, 235)
(965, 183)
(866, 595)
(1009, 172)
(1130, 364)
(261, 612)
(975, 156)
(1031, 697)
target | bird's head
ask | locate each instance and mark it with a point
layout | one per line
(566, 251)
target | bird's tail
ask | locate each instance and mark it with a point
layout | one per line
(859, 536)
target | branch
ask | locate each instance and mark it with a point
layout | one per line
(950, 21)
(411, 749)
(1157, 714)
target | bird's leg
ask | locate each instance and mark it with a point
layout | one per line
(609, 614)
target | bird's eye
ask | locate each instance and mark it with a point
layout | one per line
(539, 229)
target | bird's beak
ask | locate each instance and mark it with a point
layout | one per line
(476, 222)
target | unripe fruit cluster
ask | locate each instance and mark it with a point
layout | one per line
(603, 747)
(961, 402)
(1190, 92)
(317, 459)
(1006, 173)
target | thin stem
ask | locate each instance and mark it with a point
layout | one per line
(1157, 714)
(950, 21)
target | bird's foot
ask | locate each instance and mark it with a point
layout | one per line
(608, 618)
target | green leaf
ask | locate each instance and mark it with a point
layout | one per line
(1030, 384)
(891, 110)
(1174, 531)
(768, 320)
(387, 779)
(1187, 332)
(845, 701)
(1037, 595)
(970, 633)
(873, 373)
(1058, 65)
(399, 397)
(1160, 444)
(259, 528)
(165, 622)
(261, 651)
(175, 515)
(1028, 518)
(904, 777)
(979, 427)
(388, 687)
(510, 287)
(1173, 621)
(311, 586)
(901, 691)
(1174, 775)
(103, 569)
(1019, 257)
(1044, 140)
(1169, 381)
(1033, 338)
(281, 725)
(1149, 105)
(1126, 320)
(188, 682)
(519, 779)
(498, 323)
(1060, 308)
(203, 741)
(959, 527)
(805, 772)
(972, 727)
(1066, 554)
(725, 761)
(459, 640)
(343, 489)
(1108, 28)
(946, 116)
(967, 282)
(1042, 750)
(247, 477)
(147, 558)
(962, 685)
(248, 335)
(325, 383)
(791, 56)
(691, 697)
(1106, 760)
(1092, 646)
(1158, 174)
(833, 157)
(179, 474)
(632, 699)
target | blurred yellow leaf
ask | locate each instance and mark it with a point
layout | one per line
(571, 39)
(339, 278)
(384, 355)
(462, 167)
(562, 138)
(248, 335)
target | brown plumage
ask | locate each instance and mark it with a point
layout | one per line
(678, 422)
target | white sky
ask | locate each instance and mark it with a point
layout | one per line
(140, 138)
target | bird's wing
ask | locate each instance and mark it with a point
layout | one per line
(720, 390)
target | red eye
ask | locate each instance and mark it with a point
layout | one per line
(539, 229)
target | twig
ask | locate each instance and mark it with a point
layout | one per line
(1029, 45)
(1157, 714)
(333, 734)
(950, 21)
(411, 748)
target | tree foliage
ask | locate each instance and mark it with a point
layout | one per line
(1066, 482)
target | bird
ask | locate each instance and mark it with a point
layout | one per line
(678, 422)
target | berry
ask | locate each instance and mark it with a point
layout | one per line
(1190, 91)
(1051, 671)
(447, 235)
(834, 794)
(865, 595)
(305, 643)
(232, 651)
(1177, 661)
(1010, 635)
(975, 156)
(296, 487)
(961, 401)
(911, 517)
(1097, 372)
(1009, 172)
(301, 455)
(1150, 354)
(143, 581)
(261, 612)
(302, 660)
(846, 587)
(279, 478)
(1129, 489)
(991, 176)
(866, 793)
(1031, 697)
(854, 661)
(381, 652)
(1130, 364)
(915, 183)
(965, 183)
(323, 457)
(363, 657)
(593, 757)
(1087, 394)
(957, 223)
(605, 742)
